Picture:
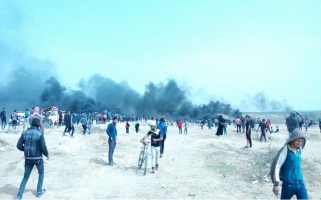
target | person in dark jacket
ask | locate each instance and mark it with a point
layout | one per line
(32, 142)
(3, 117)
(137, 126)
(220, 128)
(112, 133)
(162, 126)
(286, 166)
(262, 125)
(293, 121)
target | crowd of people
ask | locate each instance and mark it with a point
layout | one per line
(286, 163)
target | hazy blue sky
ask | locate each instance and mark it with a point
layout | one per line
(219, 50)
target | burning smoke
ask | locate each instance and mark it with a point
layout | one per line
(262, 103)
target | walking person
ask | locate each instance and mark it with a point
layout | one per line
(286, 166)
(137, 126)
(67, 121)
(26, 120)
(185, 126)
(225, 128)
(238, 125)
(320, 124)
(248, 132)
(221, 121)
(162, 126)
(60, 118)
(127, 126)
(156, 139)
(32, 142)
(14, 120)
(179, 125)
(293, 121)
(89, 124)
(262, 125)
(83, 121)
(3, 116)
(112, 134)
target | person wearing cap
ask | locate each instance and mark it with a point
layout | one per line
(286, 166)
(112, 134)
(3, 116)
(156, 138)
(33, 143)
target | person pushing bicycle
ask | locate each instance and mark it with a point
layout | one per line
(156, 138)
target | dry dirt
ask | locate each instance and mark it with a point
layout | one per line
(195, 166)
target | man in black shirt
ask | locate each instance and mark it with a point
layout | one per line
(3, 117)
(155, 138)
(248, 132)
(262, 125)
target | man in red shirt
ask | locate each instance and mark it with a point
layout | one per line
(180, 125)
(238, 125)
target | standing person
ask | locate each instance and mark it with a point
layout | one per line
(26, 120)
(243, 122)
(225, 128)
(83, 121)
(248, 131)
(320, 124)
(89, 124)
(3, 116)
(286, 166)
(60, 118)
(293, 121)
(137, 126)
(112, 133)
(36, 115)
(32, 142)
(262, 125)
(179, 125)
(185, 126)
(268, 125)
(220, 128)
(67, 121)
(162, 126)
(127, 126)
(238, 125)
(14, 118)
(155, 139)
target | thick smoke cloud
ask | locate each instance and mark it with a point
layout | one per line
(99, 93)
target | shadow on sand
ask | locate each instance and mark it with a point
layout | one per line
(98, 161)
(13, 190)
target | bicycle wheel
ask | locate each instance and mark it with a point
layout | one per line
(145, 163)
(140, 159)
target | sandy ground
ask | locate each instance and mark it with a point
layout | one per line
(195, 166)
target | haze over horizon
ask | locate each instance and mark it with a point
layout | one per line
(256, 56)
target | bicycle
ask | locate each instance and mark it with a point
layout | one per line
(143, 156)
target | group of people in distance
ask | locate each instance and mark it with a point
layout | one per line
(286, 165)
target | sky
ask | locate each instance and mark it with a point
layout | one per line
(232, 51)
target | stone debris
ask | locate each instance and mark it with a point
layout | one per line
(192, 194)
